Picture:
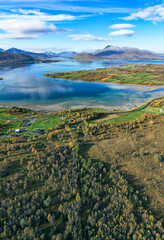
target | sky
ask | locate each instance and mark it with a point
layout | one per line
(81, 25)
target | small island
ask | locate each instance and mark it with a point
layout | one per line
(137, 74)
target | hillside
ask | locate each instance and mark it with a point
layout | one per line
(89, 174)
(120, 53)
(32, 54)
(8, 59)
(67, 54)
(47, 54)
(85, 56)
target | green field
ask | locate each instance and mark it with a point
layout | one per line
(134, 115)
(12, 126)
(154, 110)
(2, 110)
(2, 121)
(44, 123)
(126, 117)
(7, 116)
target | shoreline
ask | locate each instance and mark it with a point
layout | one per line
(58, 107)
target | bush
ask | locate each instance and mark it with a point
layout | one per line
(47, 202)
(158, 157)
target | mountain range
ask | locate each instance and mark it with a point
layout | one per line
(14, 56)
(32, 54)
(47, 54)
(120, 53)
(10, 59)
(18, 57)
(62, 54)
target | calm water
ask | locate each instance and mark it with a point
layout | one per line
(27, 85)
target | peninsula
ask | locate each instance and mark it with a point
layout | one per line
(138, 74)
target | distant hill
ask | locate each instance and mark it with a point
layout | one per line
(108, 53)
(47, 54)
(67, 54)
(85, 56)
(61, 54)
(51, 54)
(32, 54)
(8, 59)
(120, 53)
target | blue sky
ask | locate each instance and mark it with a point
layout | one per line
(56, 25)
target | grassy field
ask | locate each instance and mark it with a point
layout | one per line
(126, 117)
(2, 121)
(149, 74)
(5, 115)
(45, 123)
(11, 126)
(2, 110)
(154, 110)
(9, 115)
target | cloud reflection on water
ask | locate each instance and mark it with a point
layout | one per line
(27, 85)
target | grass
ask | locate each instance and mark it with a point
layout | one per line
(99, 110)
(133, 78)
(149, 74)
(44, 123)
(12, 126)
(129, 116)
(154, 110)
(126, 117)
(2, 121)
(123, 118)
(2, 110)
(7, 116)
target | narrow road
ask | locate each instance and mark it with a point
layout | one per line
(139, 108)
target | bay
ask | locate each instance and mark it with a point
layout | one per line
(27, 86)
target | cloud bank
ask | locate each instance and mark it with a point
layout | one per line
(154, 13)
(27, 24)
(123, 32)
(87, 37)
(121, 26)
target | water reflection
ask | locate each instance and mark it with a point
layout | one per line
(28, 85)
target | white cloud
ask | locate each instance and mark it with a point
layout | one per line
(121, 26)
(21, 24)
(155, 14)
(24, 29)
(26, 12)
(87, 37)
(123, 32)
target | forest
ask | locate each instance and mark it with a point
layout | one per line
(73, 181)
